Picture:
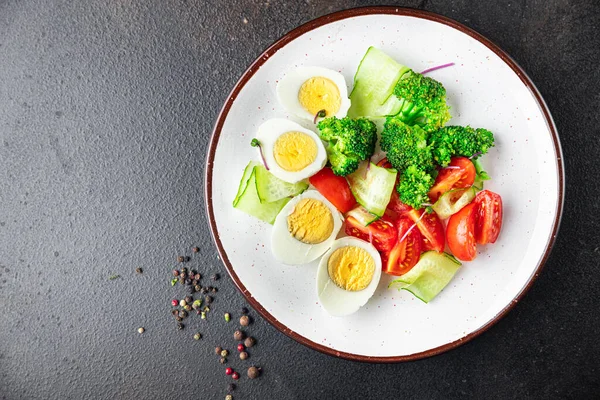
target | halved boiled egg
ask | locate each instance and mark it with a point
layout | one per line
(348, 275)
(306, 91)
(291, 151)
(305, 228)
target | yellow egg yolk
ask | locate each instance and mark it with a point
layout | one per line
(294, 151)
(319, 93)
(311, 221)
(351, 268)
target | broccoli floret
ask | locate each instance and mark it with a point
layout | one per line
(349, 141)
(406, 145)
(423, 101)
(414, 186)
(463, 141)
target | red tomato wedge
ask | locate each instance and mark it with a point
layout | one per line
(334, 188)
(430, 227)
(460, 233)
(382, 233)
(488, 220)
(459, 174)
(405, 253)
(384, 163)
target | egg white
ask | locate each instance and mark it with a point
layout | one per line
(335, 300)
(267, 135)
(288, 249)
(289, 86)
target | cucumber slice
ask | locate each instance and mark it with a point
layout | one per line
(247, 199)
(362, 215)
(270, 188)
(244, 181)
(372, 187)
(453, 201)
(431, 274)
(374, 82)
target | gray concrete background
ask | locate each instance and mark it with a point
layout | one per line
(106, 108)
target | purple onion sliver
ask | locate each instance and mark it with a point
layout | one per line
(263, 158)
(412, 227)
(436, 68)
(476, 155)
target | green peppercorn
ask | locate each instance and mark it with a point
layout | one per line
(227, 317)
(203, 315)
(188, 307)
(250, 341)
(196, 304)
(197, 336)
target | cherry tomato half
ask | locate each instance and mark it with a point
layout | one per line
(460, 233)
(334, 188)
(431, 229)
(459, 174)
(488, 221)
(405, 254)
(382, 233)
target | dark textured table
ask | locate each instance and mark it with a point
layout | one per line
(106, 109)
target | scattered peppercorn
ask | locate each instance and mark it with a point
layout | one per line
(188, 281)
(235, 376)
(141, 330)
(224, 353)
(240, 347)
(180, 326)
(250, 341)
(188, 307)
(188, 299)
(244, 310)
(204, 290)
(182, 280)
(231, 387)
(195, 249)
(183, 314)
(187, 258)
(180, 259)
(244, 320)
(215, 277)
(194, 282)
(239, 335)
(191, 274)
(182, 303)
(243, 355)
(253, 372)
(227, 315)
(175, 312)
(228, 371)
(174, 302)
(197, 336)
(139, 270)
(183, 271)
(218, 350)
(198, 312)
(223, 360)
(214, 290)
(197, 276)
(229, 397)
(197, 288)
(175, 272)
(196, 304)
(203, 315)
(208, 299)
(178, 318)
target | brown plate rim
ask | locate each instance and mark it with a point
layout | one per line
(309, 26)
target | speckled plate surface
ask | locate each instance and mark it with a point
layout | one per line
(485, 89)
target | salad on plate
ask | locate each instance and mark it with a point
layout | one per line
(378, 183)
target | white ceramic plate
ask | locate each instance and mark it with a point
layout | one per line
(485, 89)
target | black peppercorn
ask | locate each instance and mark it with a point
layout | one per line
(189, 299)
(175, 312)
(183, 271)
(204, 290)
(188, 307)
(215, 277)
(208, 299)
(197, 288)
(231, 387)
(253, 372)
(214, 290)
(250, 341)
(244, 310)
(182, 280)
(188, 281)
(178, 318)
(180, 326)
(183, 314)
(180, 259)
(139, 270)
(223, 360)
(194, 282)
(238, 335)
(195, 249)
